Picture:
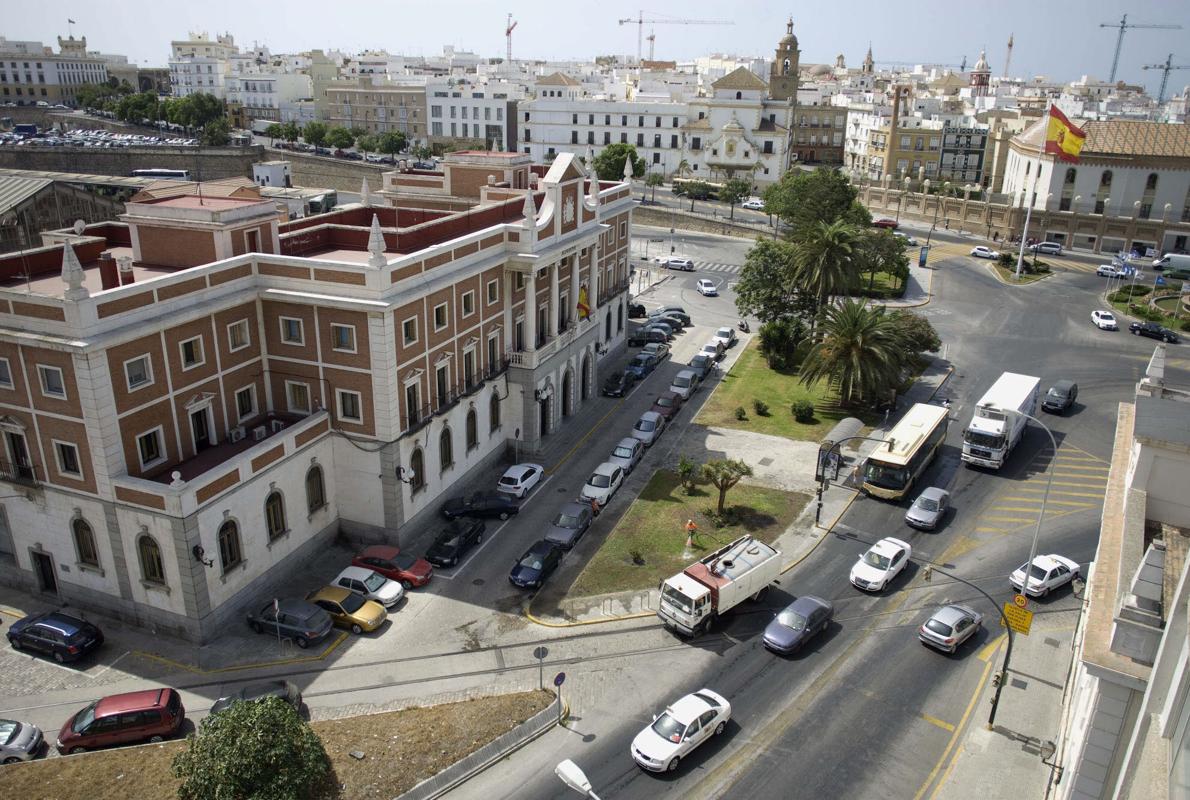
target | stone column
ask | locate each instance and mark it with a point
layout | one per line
(574, 290)
(593, 290)
(552, 319)
(508, 322)
(531, 311)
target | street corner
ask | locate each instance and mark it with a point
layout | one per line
(562, 612)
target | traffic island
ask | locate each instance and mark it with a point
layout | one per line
(1008, 274)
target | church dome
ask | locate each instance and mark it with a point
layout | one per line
(982, 64)
(789, 40)
(820, 70)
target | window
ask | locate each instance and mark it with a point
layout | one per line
(442, 385)
(5, 374)
(245, 403)
(52, 384)
(493, 291)
(68, 459)
(152, 568)
(440, 318)
(696, 143)
(623, 138)
(84, 543)
(315, 489)
(417, 470)
(230, 554)
(237, 336)
(291, 331)
(192, 353)
(494, 413)
(409, 331)
(446, 457)
(298, 397)
(349, 406)
(413, 408)
(343, 338)
(274, 515)
(468, 303)
(148, 446)
(640, 140)
(1151, 182)
(623, 230)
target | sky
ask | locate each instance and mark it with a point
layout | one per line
(1061, 40)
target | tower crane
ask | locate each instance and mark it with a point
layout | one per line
(651, 39)
(508, 35)
(1125, 25)
(1165, 68)
(641, 20)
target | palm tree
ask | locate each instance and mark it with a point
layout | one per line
(860, 352)
(683, 168)
(826, 260)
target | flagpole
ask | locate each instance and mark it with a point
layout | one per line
(1020, 256)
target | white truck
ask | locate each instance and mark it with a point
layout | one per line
(994, 430)
(1172, 261)
(693, 599)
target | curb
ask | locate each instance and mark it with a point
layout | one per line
(1003, 282)
(243, 667)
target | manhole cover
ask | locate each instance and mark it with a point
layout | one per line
(764, 462)
(477, 582)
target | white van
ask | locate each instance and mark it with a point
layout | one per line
(1172, 261)
(684, 383)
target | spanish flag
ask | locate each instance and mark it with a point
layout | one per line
(584, 310)
(1062, 138)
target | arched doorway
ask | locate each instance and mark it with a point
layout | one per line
(585, 382)
(567, 393)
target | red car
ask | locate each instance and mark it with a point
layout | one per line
(667, 404)
(891, 224)
(395, 565)
(147, 716)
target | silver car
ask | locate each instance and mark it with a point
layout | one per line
(19, 741)
(950, 627)
(627, 454)
(648, 428)
(929, 509)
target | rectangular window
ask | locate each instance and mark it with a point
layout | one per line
(640, 140)
(409, 331)
(412, 404)
(298, 397)
(349, 406)
(5, 374)
(623, 138)
(192, 353)
(291, 331)
(623, 230)
(440, 318)
(468, 303)
(493, 353)
(237, 336)
(68, 459)
(607, 137)
(245, 403)
(442, 385)
(343, 338)
(148, 446)
(673, 142)
(52, 384)
(696, 143)
(493, 291)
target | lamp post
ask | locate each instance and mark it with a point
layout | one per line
(573, 776)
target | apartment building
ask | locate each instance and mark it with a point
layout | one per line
(197, 397)
(201, 64)
(483, 114)
(964, 148)
(268, 94)
(378, 107)
(31, 73)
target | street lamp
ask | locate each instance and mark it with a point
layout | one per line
(574, 777)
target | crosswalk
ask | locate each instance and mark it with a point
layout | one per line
(1079, 482)
(714, 266)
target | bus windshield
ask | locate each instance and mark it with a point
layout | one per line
(885, 476)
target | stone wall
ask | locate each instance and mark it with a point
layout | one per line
(204, 163)
(665, 218)
(328, 173)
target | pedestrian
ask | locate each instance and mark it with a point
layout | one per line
(594, 507)
(946, 223)
(691, 529)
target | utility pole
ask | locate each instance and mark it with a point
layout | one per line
(1125, 25)
(1165, 68)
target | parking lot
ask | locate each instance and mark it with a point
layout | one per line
(79, 137)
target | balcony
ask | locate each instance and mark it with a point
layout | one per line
(20, 474)
(419, 418)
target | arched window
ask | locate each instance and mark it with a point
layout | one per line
(1105, 179)
(472, 429)
(315, 489)
(1071, 173)
(446, 455)
(1151, 182)
(494, 413)
(274, 515)
(417, 470)
(230, 553)
(84, 543)
(739, 95)
(152, 568)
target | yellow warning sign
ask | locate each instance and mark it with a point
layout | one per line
(1018, 618)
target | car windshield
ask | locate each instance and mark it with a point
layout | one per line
(622, 452)
(84, 718)
(374, 581)
(664, 402)
(530, 561)
(699, 361)
(723, 333)
(352, 603)
(889, 477)
(640, 362)
(509, 480)
(682, 382)
(1056, 392)
(680, 600)
(709, 349)
(791, 619)
(939, 627)
(565, 520)
(1107, 318)
(668, 728)
(926, 504)
(874, 559)
(600, 481)
(645, 425)
(450, 539)
(8, 730)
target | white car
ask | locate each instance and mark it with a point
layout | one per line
(1048, 573)
(707, 288)
(883, 562)
(713, 349)
(370, 585)
(682, 727)
(905, 238)
(753, 204)
(684, 383)
(648, 428)
(984, 252)
(671, 262)
(602, 484)
(518, 479)
(1105, 320)
(627, 454)
(1110, 271)
(19, 741)
(725, 337)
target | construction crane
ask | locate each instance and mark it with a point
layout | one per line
(640, 27)
(508, 35)
(1124, 25)
(651, 39)
(1165, 68)
(961, 67)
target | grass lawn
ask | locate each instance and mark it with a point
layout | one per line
(750, 379)
(1169, 304)
(655, 527)
(1008, 274)
(882, 286)
(401, 749)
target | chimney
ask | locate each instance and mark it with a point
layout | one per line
(126, 274)
(109, 275)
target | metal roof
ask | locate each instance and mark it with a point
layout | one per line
(16, 190)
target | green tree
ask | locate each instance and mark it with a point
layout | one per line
(290, 132)
(609, 162)
(315, 133)
(273, 132)
(780, 341)
(196, 110)
(723, 474)
(654, 179)
(367, 143)
(880, 251)
(339, 137)
(825, 260)
(860, 352)
(391, 142)
(916, 332)
(734, 190)
(260, 750)
(697, 190)
(216, 133)
(423, 152)
(766, 288)
(803, 198)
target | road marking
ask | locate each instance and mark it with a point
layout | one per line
(1058, 473)
(986, 529)
(1062, 493)
(1016, 508)
(943, 724)
(1076, 485)
(990, 648)
(1082, 460)
(1051, 501)
(241, 667)
(1000, 518)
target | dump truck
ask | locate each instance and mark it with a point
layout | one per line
(693, 600)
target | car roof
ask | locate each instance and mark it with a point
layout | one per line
(356, 573)
(807, 603)
(382, 551)
(541, 547)
(952, 613)
(688, 708)
(889, 546)
(522, 469)
(933, 493)
(687, 372)
(651, 415)
(607, 468)
(131, 701)
(670, 395)
(628, 441)
(64, 623)
(334, 593)
(575, 508)
(1064, 384)
(1047, 562)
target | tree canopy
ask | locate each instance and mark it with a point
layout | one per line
(315, 133)
(609, 162)
(724, 474)
(391, 142)
(860, 352)
(339, 138)
(766, 288)
(216, 133)
(803, 198)
(734, 190)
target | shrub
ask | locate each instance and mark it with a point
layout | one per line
(1006, 260)
(740, 413)
(687, 470)
(1186, 324)
(803, 411)
(1126, 293)
(760, 407)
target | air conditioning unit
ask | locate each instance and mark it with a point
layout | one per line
(276, 425)
(259, 432)
(237, 433)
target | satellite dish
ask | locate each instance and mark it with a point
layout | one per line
(79, 227)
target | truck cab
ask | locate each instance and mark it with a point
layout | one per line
(984, 440)
(685, 602)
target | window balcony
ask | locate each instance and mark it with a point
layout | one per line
(20, 474)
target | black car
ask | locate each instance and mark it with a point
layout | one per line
(681, 316)
(1061, 396)
(538, 562)
(661, 326)
(619, 384)
(642, 365)
(459, 536)
(636, 310)
(643, 336)
(1153, 331)
(480, 504)
(283, 690)
(675, 323)
(53, 633)
(569, 526)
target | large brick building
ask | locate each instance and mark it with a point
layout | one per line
(195, 399)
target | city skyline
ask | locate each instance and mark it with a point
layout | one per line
(1054, 45)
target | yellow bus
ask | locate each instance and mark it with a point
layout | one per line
(889, 473)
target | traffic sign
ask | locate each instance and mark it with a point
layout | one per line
(1018, 618)
(1160, 281)
(559, 679)
(656, 241)
(541, 652)
(1021, 600)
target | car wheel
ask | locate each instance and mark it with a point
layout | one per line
(1135, 333)
(76, 750)
(11, 760)
(503, 515)
(58, 657)
(1045, 591)
(256, 628)
(356, 629)
(406, 585)
(301, 642)
(16, 643)
(156, 739)
(720, 728)
(673, 764)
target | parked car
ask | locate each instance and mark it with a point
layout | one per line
(667, 405)
(538, 563)
(713, 350)
(726, 337)
(1048, 248)
(798, 622)
(19, 741)
(684, 383)
(707, 288)
(282, 690)
(648, 428)
(880, 564)
(984, 252)
(303, 622)
(519, 479)
(949, 627)
(390, 562)
(55, 634)
(569, 525)
(672, 309)
(627, 454)
(753, 204)
(642, 365)
(642, 336)
(684, 264)
(480, 504)
(1048, 573)
(658, 350)
(682, 727)
(636, 310)
(1109, 271)
(906, 239)
(454, 540)
(661, 326)
(151, 715)
(601, 487)
(890, 224)
(701, 364)
(929, 509)
(348, 609)
(1105, 320)
(370, 585)
(661, 314)
(1153, 331)
(619, 384)
(1061, 396)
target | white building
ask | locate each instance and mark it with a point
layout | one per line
(267, 93)
(473, 110)
(200, 64)
(32, 73)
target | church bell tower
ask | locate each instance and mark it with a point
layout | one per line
(783, 75)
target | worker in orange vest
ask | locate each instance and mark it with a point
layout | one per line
(691, 529)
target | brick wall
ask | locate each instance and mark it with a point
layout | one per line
(204, 163)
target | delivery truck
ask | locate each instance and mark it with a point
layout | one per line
(692, 600)
(994, 428)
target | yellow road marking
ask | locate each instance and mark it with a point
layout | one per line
(943, 724)
(990, 648)
(1076, 485)
(1085, 453)
(1016, 508)
(999, 518)
(985, 529)
(1061, 493)
(1058, 473)
(241, 667)
(1091, 466)
(1052, 502)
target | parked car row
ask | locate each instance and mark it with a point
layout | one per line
(80, 137)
